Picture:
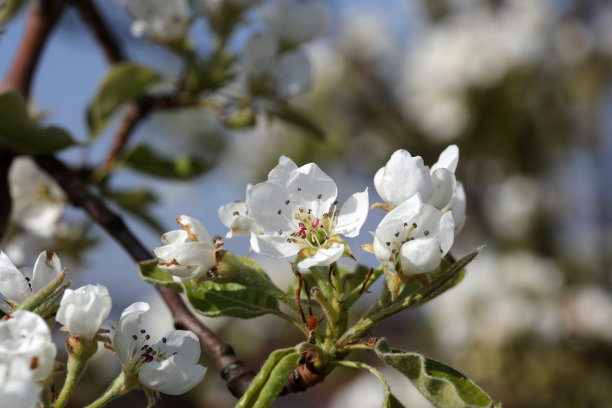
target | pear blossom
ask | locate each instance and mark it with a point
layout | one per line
(16, 288)
(38, 202)
(404, 176)
(215, 7)
(163, 20)
(297, 22)
(169, 365)
(296, 210)
(188, 252)
(27, 337)
(84, 310)
(17, 386)
(413, 238)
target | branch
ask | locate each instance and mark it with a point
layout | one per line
(233, 371)
(6, 158)
(107, 39)
(42, 18)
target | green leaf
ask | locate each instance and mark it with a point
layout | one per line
(442, 385)
(297, 118)
(123, 83)
(22, 134)
(229, 299)
(150, 272)
(10, 8)
(270, 380)
(145, 160)
(391, 402)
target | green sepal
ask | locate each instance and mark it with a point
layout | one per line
(270, 380)
(42, 296)
(123, 82)
(150, 272)
(442, 385)
(145, 160)
(19, 132)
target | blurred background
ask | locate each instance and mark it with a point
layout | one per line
(522, 87)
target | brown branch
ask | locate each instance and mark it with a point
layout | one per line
(234, 372)
(41, 20)
(107, 39)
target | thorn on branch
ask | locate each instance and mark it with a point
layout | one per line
(365, 281)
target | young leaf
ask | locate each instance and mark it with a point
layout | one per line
(123, 83)
(145, 160)
(229, 299)
(275, 382)
(251, 396)
(297, 118)
(21, 134)
(150, 272)
(442, 385)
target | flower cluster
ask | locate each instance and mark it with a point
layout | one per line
(426, 209)
(27, 351)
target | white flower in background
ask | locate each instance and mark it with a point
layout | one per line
(268, 70)
(404, 176)
(38, 202)
(16, 288)
(84, 310)
(413, 238)
(17, 386)
(163, 20)
(27, 337)
(189, 252)
(442, 65)
(169, 365)
(296, 22)
(296, 210)
(235, 216)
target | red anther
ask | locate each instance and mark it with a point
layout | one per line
(301, 225)
(147, 358)
(302, 233)
(315, 223)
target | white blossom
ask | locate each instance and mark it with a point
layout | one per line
(38, 202)
(16, 288)
(235, 216)
(296, 210)
(163, 20)
(169, 365)
(84, 310)
(297, 22)
(413, 238)
(404, 176)
(188, 252)
(27, 337)
(17, 386)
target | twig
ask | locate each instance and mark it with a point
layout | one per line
(234, 372)
(107, 39)
(41, 20)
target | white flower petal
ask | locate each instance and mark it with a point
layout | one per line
(280, 174)
(353, 214)
(195, 229)
(446, 234)
(17, 386)
(323, 257)
(264, 201)
(307, 183)
(13, 285)
(46, 268)
(458, 207)
(84, 310)
(420, 256)
(444, 187)
(180, 341)
(379, 184)
(187, 254)
(405, 176)
(427, 222)
(402, 213)
(26, 336)
(259, 53)
(175, 375)
(448, 159)
(175, 237)
(243, 227)
(274, 246)
(131, 317)
(229, 211)
(297, 22)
